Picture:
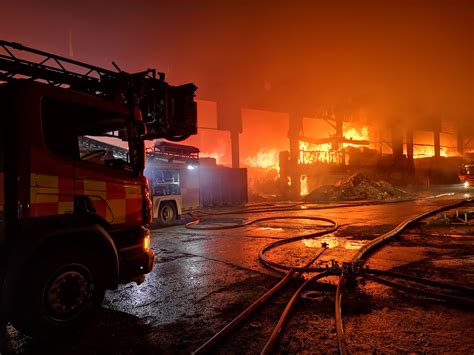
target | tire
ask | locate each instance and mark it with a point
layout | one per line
(167, 213)
(59, 293)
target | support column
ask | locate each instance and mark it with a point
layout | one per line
(229, 118)
(397, 144)
(295, 127)
(460, 141)
(380, 141)
(410, 161)
(234, 140)
(339, 132)
(437, 143)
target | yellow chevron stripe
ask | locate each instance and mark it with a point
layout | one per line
(95, 185)
(44, 180)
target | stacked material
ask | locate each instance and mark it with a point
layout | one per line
(356, 187)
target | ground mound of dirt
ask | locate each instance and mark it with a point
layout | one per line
(356, 187)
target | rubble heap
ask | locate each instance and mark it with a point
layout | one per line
(356, 187)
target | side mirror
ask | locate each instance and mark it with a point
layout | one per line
(137, 155)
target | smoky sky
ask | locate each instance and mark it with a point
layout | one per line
(407, 60)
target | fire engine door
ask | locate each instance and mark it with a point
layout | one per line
(104, 182)
(108, 193)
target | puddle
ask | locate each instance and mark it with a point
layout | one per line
(334, 242)
(269, 229)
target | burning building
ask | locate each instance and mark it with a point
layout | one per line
(289, 155)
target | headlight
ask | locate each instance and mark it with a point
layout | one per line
(466, 184)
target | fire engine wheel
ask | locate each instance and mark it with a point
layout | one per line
(59, 293)
(167, 214)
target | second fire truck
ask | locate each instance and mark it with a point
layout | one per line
(173, 173)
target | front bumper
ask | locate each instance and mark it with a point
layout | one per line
(136, 260)
(134, 268)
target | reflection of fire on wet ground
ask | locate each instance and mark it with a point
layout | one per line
(334, 242)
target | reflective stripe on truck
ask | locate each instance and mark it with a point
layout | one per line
(116, 203)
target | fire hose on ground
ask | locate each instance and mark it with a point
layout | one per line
(360, 258)
(346, 272)
(291, 272)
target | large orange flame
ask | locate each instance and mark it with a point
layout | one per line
(266, 158)
(356, 134)
(219, 155)
(425, 151)
(312, 153)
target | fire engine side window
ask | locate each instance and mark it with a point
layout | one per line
(166, 182)
(84, 132)
(58, 131)
(106, 149)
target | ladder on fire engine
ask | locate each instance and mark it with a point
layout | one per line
(64, 72)
(172, 151)
(169, 111)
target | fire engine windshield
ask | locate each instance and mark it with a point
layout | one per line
(165, 182)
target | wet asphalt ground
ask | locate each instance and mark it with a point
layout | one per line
(204, 278)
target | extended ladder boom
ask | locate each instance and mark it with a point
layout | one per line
(168, 111)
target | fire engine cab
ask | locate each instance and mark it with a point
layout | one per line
(72, 214)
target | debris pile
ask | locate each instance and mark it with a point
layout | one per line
(356, 187)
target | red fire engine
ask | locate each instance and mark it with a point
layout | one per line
(466, 174)
(72, 217)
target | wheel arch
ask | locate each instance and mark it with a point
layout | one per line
(160, 201)
(94, 236)
(173, 203)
